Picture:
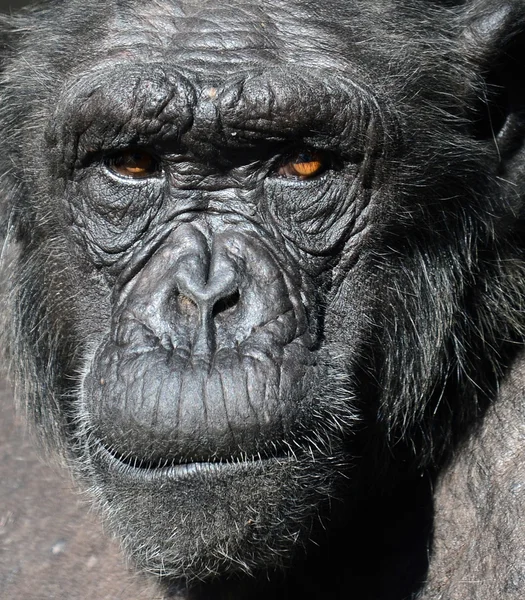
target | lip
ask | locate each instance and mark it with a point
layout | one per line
(189, 470)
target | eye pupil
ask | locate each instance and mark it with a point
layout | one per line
(135, 164)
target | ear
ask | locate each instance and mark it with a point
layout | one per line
(494, 42)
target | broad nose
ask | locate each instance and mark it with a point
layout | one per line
(206, 285)
(207, 282)
(206, 291)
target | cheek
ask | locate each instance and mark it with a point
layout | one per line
(316, 216)
(109, 217)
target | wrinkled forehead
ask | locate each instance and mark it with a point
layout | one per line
(222, 37)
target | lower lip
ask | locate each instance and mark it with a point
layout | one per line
(182, 471)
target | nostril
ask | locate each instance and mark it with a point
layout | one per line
(225, 304)
(186, 305)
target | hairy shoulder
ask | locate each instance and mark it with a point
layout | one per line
(479, 505)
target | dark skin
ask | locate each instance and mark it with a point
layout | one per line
(269, 268)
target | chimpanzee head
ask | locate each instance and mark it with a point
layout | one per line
(260, 253)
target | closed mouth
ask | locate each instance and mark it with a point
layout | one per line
(152, 470)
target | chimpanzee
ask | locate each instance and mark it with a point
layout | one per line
(264, 287)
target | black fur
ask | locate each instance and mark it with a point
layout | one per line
(356, 362)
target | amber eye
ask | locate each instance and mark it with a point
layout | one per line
(304, 165)
(136, 164)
